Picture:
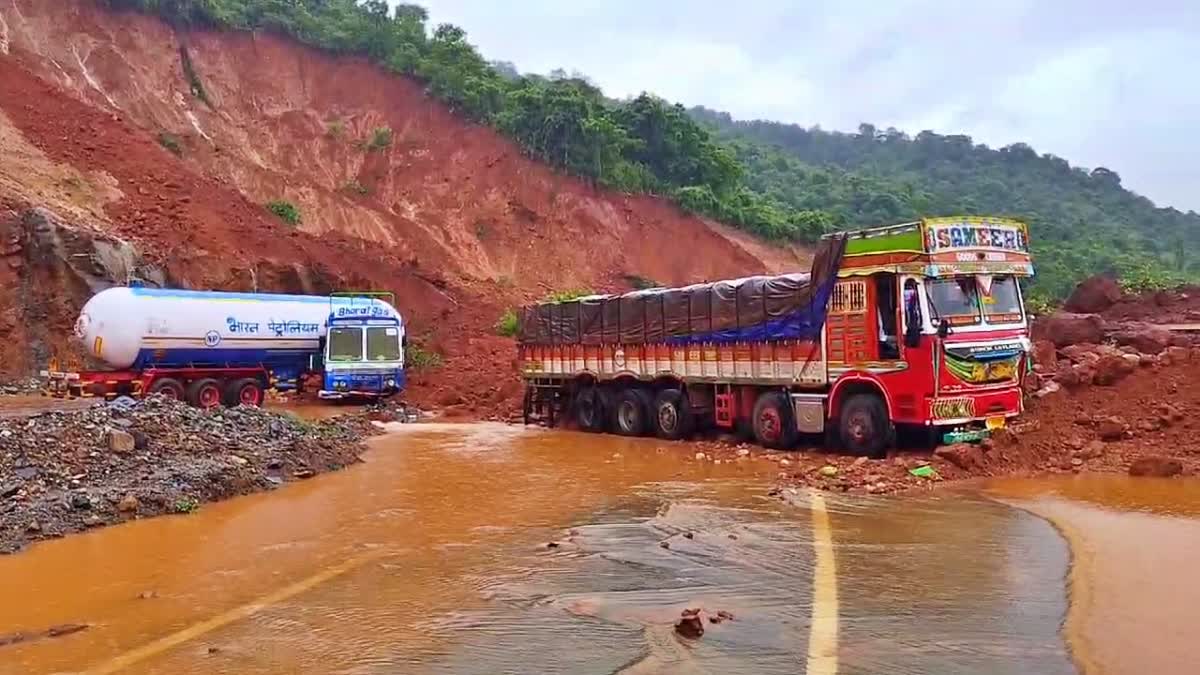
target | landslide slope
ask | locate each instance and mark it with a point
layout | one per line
(111, 166)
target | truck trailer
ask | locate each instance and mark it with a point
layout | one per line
(209, 347)
(920, 324)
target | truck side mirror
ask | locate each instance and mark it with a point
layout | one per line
(943, 328)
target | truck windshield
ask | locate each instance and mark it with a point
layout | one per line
(383, 343)
(345, 344)
(955, 300)
(1003, 304)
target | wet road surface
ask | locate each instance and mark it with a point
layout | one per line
(432, 557)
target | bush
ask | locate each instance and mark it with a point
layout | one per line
(381, 138)
(356, 188)
(567, 296)
(508, 325)
(171, 143)
(417, 357)
(286, 211)
(335, 129)
(640, 283)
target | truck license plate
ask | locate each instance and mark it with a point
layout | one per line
(994, 423)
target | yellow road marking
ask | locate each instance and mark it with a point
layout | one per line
(247, 610)
(823, 630)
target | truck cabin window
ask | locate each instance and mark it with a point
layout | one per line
(955, 300)
(345, 344)
(383, 343)
(1003, 303)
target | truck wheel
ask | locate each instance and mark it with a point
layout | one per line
(247, 392)
(773, 422)
(590, 411)
(168, 387)
(204, 393)
(631, 413)
(673, 419)
(864, 426)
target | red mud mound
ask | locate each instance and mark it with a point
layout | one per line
(103, 148)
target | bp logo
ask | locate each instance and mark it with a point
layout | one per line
(212, 338)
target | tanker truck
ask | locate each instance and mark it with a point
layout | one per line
(211, 348)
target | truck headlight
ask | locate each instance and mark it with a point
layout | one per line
(391, 383)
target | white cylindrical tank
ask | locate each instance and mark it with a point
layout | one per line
(127, 326)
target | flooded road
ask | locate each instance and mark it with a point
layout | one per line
(433, 556)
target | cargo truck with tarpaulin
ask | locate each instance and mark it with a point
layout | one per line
(920, 324)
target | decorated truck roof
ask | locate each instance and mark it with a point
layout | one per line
(938, 247)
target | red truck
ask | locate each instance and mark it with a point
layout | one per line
(920, 324)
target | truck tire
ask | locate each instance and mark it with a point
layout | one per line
(864, 427)
(590, 411)
(247, 391)
(673, 419)
(631, 414)
(205, 393)
(168, 387)
(773, 422)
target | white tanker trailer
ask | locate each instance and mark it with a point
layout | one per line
(211, 347)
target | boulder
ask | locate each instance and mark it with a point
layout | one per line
(1112, 369)
(1045, 354)
(128, 504)
(1085, 352)
(1092, 450)
(963, 455)
(1093, 295)
(1067, 328)
(1145, 337)
(1156, 466)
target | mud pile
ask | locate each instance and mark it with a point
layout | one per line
(63, 472)
(99, 128)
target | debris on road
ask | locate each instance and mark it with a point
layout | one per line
(62, 472)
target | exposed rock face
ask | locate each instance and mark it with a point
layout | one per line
(1146, 338)
(1156, 466)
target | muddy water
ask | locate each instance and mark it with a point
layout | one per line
(432, 557)
(1135, 544)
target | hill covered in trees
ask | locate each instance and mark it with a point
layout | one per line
(1081, 221)
(780, 181)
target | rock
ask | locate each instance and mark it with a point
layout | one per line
(829, 471)
(1112, 369)
(147, 595)
(720, 616)
(742, 452)
(785, 462)
(1051, 387)
(1111, 429)
(93, 521)
(81, 501)
(140, 440)
(34, 527)
(690, 625)
(128, 504)
(65, 629)
(1091, 450)
(1146, 338)
(859, 462)
(1175, 356)
(239, 461)
(1156, 466)
(664, 544)
(965, 456)
(1085, 352)
(1045, 354)
(121, 442)
(699, 456)
(1146, 360)
(1093, 295)
(1066, 328)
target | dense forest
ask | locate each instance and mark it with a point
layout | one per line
(780, 181)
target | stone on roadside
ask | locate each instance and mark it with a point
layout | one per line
(1111, 429)
(829, 471)
(1112, 369)
(1067, 328)
(120, 442)
(1094, 295)
(128, 504)
(1156, 466)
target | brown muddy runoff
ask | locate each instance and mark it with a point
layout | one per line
(432, 556)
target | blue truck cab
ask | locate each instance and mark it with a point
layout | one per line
(364, 352)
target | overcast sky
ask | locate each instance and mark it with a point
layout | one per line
(1099, 82)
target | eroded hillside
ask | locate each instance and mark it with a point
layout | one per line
(151, 152)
